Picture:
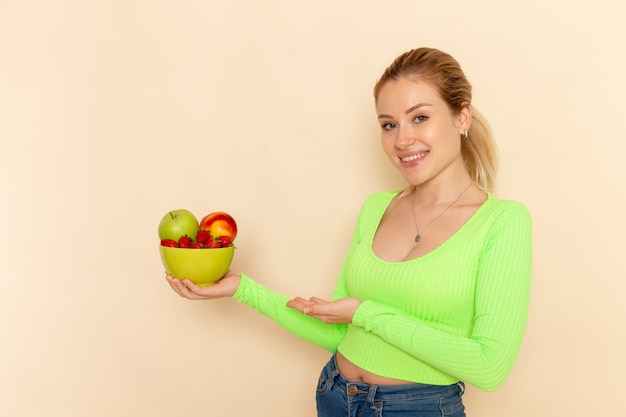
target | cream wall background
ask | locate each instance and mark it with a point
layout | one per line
(114, 112)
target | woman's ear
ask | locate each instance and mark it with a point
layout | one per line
(464, 118)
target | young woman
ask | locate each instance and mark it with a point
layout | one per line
(435, 287)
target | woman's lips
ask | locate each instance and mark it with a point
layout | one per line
(414, 157)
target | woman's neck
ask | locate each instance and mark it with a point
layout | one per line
(441, 190)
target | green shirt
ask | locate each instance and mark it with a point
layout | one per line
(456, 313)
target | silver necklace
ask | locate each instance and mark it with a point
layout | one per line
(418, 237)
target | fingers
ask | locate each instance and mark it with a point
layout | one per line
(185, 288)
(310, 306)
(298, 303)
(193, 291)
(339, 311)
(316, 300)
(173, 283)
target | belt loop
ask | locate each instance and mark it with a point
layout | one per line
(371, 394)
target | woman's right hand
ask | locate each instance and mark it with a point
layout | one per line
(225, 287)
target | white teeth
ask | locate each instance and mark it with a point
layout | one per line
(413, 157)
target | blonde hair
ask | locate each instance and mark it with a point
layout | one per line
(444, 73)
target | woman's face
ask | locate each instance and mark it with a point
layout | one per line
(420, 134)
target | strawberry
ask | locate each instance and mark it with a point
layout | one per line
(184, 242)
(212, 244)
(203, 236)
(169, 243)
(195, 245)
(225, 241)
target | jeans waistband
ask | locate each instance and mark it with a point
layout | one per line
(370, 392)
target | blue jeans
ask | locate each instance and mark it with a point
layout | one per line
(340, 397)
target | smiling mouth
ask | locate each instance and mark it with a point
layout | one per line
(414, 157)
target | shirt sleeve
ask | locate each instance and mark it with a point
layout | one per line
(274, 306)
(486, 356)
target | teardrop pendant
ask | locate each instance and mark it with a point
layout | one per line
(417, 238)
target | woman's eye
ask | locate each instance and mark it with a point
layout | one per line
(388, 126)
(420, 118)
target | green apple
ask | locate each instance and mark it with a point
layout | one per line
(177, 223)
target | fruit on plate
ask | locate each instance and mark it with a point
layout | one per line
(202, 255)
(203, 237)
(169, 243)
(219, 224)
(178, 223)
(184, 242)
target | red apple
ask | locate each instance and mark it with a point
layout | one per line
(219, 224)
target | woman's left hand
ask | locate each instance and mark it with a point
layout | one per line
(339, 311)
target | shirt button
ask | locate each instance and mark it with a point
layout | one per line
(352, 390)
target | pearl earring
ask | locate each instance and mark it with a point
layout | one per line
(465, 134)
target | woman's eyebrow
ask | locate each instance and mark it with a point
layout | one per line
(408, 111)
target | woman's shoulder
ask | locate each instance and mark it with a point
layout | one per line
(502, 204)
(500, 210)
(375, 205)
(379, 200)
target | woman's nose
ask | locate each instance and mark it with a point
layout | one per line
(404, 136)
